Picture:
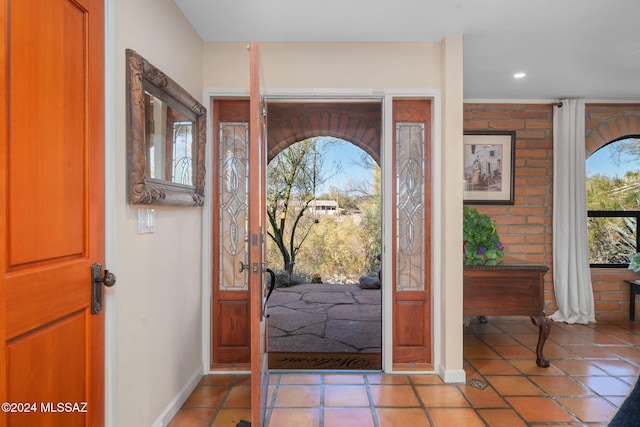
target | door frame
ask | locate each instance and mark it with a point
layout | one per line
(110, 212)
(385, 96)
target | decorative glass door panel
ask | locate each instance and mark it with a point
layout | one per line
(410, 204)
(234, 150)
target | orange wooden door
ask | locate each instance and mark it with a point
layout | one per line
(257, 230)
(51, 211)
(412, 333)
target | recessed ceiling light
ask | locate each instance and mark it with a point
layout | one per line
(519, 75)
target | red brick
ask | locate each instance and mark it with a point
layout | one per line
(503, 115)
(512, 107)
(507, 125)
(532, 115)
(613, 296)
(535, 191)
(532, 134)
(528, 153)
(476, 125)
(609, 305)
(540, 124)
(537, 181)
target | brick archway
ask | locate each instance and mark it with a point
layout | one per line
(357, 122)
(607, 123)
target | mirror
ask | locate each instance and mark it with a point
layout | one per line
(166, 138)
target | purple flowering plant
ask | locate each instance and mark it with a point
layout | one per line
(482, 245)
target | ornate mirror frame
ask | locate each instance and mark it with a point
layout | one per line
(142, 189)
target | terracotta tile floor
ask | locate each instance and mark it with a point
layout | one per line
(593, 368)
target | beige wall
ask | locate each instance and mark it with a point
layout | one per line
(158, 294)
(326, 65)
(450, 209)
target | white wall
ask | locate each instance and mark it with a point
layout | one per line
(374, 68)
(158, 295)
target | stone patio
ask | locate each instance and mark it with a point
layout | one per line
(325, 318)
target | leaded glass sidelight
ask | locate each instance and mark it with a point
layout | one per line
(410, 206)
(234, 213)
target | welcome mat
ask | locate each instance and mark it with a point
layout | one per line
(330, 361)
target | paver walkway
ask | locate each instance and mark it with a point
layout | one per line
(325, 318)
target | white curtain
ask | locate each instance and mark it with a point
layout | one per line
(574, 294)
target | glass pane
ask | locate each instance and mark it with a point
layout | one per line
(182, 170)
(611, 240)
(410, 196)
(234, 149)
(169, 138)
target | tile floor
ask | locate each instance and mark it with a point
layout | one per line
(593, 368)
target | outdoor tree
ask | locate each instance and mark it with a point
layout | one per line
(371, 226)
(293, 178)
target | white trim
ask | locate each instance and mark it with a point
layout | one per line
(386, 186)
(548, 101)
(207, 238)
(110, 211)
(230, 372)
(453, 376)
(323, 94)
(511, 101)
(387, 218)
(436, 228)
(385, 96)
(176, 403)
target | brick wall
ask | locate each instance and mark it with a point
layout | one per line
(526, 226)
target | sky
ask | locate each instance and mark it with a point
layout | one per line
(602, 163)
(347, 155)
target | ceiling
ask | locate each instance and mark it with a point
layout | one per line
(567, 48)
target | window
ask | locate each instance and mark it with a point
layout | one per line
(613, 202)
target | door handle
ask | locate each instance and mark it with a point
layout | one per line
(272, 285)
(97, 280)
(109, 279)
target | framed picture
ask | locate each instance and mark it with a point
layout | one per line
(489, 159)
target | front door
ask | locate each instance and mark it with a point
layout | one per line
(257, 231)
(51, 212)
(239, 219)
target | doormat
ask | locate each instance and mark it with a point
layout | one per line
(329, 361)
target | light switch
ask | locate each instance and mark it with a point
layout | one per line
(146, 220)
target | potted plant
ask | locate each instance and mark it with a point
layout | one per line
(634, 262)
(482, 244)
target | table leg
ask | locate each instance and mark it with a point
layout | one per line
(632, 302)
(544, 326)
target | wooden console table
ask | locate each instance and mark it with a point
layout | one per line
(508, 290)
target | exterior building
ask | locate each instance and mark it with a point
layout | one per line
(324, 207)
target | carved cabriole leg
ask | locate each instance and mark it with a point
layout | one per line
(543, 324)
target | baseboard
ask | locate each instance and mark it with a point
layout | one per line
(453, 375)
(176, 403)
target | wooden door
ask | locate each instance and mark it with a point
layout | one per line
(257, 231)
(51, 211)
(412, 333)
